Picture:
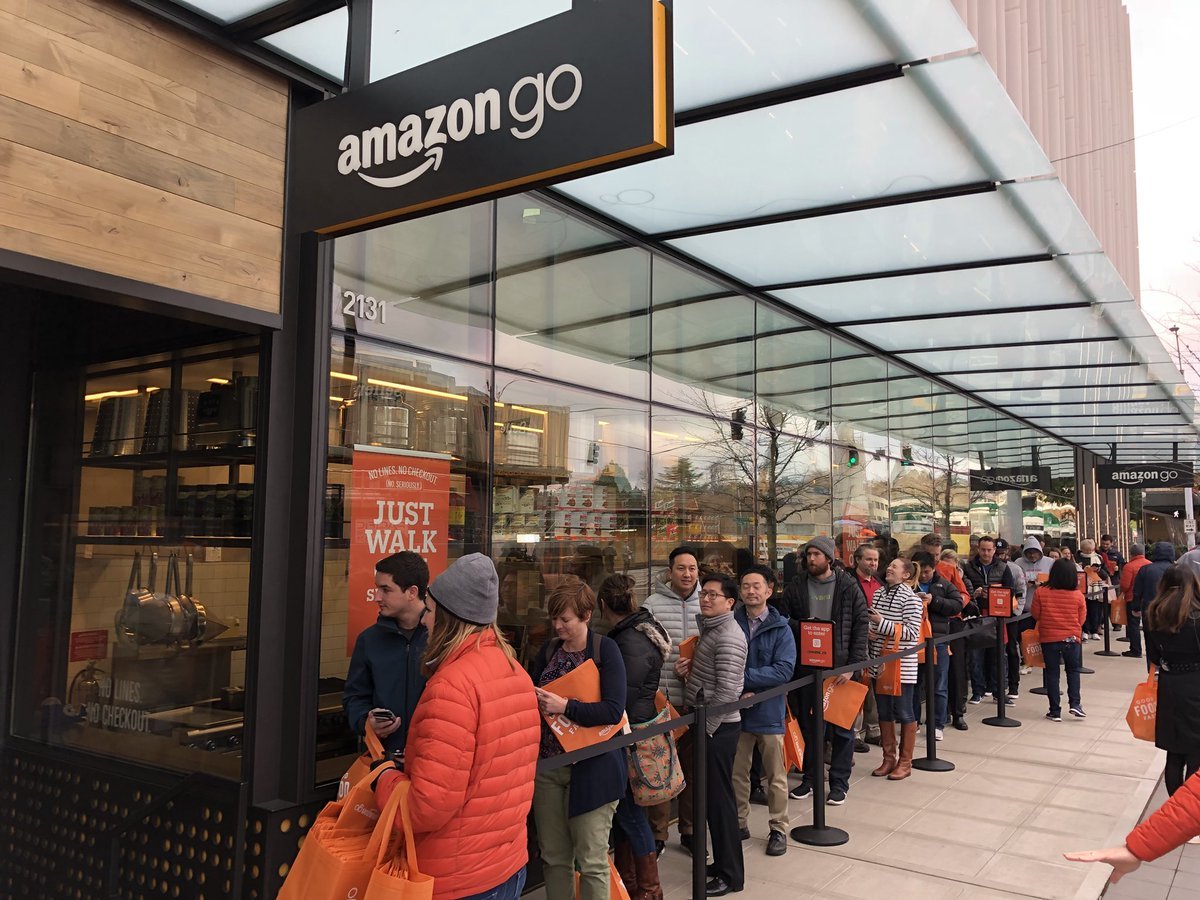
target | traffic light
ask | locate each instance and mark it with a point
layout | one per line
(735, 426)
(851, 456)
(906, 455)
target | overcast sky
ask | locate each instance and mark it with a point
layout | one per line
(1166, 110)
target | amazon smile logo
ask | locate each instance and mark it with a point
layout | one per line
(427, 137)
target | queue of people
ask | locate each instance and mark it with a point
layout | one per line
(438, 682)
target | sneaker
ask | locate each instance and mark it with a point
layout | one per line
(659, 847)
(745, 833)
(1132, 655)
(1013, 695)
(937, 734)
(1077, 712)
(777, 844)
(758, 796)
(876, 739)
(836, 797)
(1096, 637)
(1054, 717)
(960, 724)
(800, 791)
(860, 746)
(975, 701)
(1026, 670)
(1009, 701)
(1086, 637)
(685, 841)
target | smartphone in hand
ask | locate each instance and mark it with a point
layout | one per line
(383, 716)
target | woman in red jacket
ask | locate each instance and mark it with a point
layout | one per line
(1175, 822)
(1060, 610)
(472, 746)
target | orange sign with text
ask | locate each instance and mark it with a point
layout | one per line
(399, 500)
(816, 644)
(1000, 601)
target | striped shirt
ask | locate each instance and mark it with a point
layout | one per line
(900, 608)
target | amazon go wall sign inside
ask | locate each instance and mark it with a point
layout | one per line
(574, 93)
(1147, 475)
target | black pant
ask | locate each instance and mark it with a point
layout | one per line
(1012, 651)
(958, 678)
(1180, 766)
(722, 814)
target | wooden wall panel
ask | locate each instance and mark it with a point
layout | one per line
(132, 148)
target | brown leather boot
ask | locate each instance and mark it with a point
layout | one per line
(908, 740)
(623, 859)
(648, 885)
(887, 737)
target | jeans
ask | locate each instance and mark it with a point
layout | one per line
(1135, 634)
(842, 760)
(1095, 617)
(1070, 654)
(979, 679)
(941, 689)
(633, 823)
(1012, 655)
(510, 890)
(895, 709)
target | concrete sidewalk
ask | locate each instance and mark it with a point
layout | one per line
(996, 827)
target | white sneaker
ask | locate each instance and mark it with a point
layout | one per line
(937, 734)
(1026, 670)
(1086, 637)
(1195, 840)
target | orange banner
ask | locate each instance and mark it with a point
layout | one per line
(398, 501)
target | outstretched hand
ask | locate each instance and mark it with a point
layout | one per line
(1122, 861)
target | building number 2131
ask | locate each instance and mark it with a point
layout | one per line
(363, 307)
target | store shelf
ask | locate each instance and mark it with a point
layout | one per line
(227, 456)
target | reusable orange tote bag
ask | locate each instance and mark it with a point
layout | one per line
(843, 701)
(1144, 707)
(793, 743)
(887, 682)
(1118, 611)
(926, 632)
(396, 875)
(362, 765)
(581, 683)
(1031, 649)
(333, 863)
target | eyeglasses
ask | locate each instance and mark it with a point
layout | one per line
(713, 595)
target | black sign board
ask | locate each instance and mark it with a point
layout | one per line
(574, 93)
(1143, 475)
(1025, 478)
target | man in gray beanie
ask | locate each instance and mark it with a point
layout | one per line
(829, 593)
(469, 589)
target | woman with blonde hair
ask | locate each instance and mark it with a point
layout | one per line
(896, 610)
(472, 745)
(1172, 623)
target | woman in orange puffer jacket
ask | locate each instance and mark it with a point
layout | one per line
(1060, 611)
(472, 745)
(1175, 822)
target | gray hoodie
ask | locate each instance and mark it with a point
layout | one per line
(678, 616)
(1032, 563)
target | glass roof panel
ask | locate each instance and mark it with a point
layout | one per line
(1070, 356)
(870, 141)
(319, 43)
(226, 11)
(954, 331)
(1074, 395)
(1105, 407)
(529, 232)
(887, 239)
(406, 33)
(935, 293)
(1049, 378)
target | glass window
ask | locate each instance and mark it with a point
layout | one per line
(136, 646)
(568, 498)
(319, 43)
(574, 315)
(408, 468)
(424, 282)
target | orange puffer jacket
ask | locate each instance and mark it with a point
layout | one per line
(471, 753)
(1059, 614)
(1174, 823)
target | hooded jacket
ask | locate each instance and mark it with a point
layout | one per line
(385, 673)
(1032, 568)
(677, 615)
(644, 646)
(770, 662)
(1145, 585)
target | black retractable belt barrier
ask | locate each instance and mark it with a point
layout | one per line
(818, 834)
(700, 800)
(1001, 720)
(1107, 651)
(930, 762)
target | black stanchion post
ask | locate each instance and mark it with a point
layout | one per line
(1000, 720)
(699, 802)
(930, 762)
(818, 834)
(1107, 651)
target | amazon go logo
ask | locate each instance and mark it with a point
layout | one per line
(413, 136)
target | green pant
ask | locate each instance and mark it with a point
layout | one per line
(570, 844)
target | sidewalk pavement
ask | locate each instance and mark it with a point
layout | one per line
(1175, 876)
(995, 827)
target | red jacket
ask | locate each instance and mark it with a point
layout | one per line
(1059, 614)
(1129, 573)
(953, 574)
(1175, 822)
(471, 753)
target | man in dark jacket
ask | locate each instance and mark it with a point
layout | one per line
(826, 593)
(385, 667)
(944, 604)
(770, 662)
(982, 571)
(1145, 586)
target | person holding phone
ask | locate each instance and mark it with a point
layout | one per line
(385, 681)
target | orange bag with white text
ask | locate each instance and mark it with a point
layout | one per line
(1143, 708)
(793, 743)
(842, 701)
(887, 682)
(581, 683)
(1031, 649)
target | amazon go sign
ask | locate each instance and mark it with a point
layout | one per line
(1145, 475)
(573, 93)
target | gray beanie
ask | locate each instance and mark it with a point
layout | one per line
(1137, 549)
(470, 589)
(825, 545)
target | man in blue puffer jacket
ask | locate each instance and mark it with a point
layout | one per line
(770, 662)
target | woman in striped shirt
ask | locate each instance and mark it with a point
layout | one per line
(895, 608)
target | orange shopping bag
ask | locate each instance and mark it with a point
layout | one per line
(660, 703)
(887, 682)
(581, 683)
(362, 765)
(396, 875)
(842, 701)
(1118, 611)
(926, 632)
(616, 887)
(333, 863)
(1031, 649)
(1144, 707)
(793, 743)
